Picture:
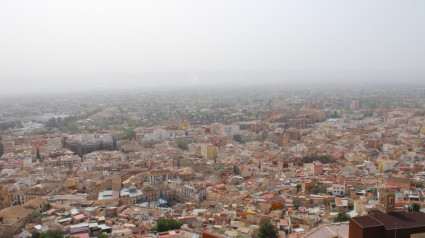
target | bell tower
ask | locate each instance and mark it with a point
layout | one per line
(386, 200)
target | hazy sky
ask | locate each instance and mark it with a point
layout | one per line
(94, 43)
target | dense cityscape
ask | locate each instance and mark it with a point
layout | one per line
(314, 161)
(212, 119)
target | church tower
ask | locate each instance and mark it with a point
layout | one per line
(5, 198)
(386, 200)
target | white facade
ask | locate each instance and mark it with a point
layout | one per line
(338, 189)
(198, 194)
(159, 134)
(158, 176)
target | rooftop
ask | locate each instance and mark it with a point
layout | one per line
(391, 220)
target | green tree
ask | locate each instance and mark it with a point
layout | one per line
(36, 234)
(59, 121)
(166, 224)
(132, 123)
(267, 230)
(1, 149)
(182, 145)
(342, 217)
(51, 123)
(324, 159)
(102, 236)
(298, 188)
(415, 207)
(130, 133)
(49, 234)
